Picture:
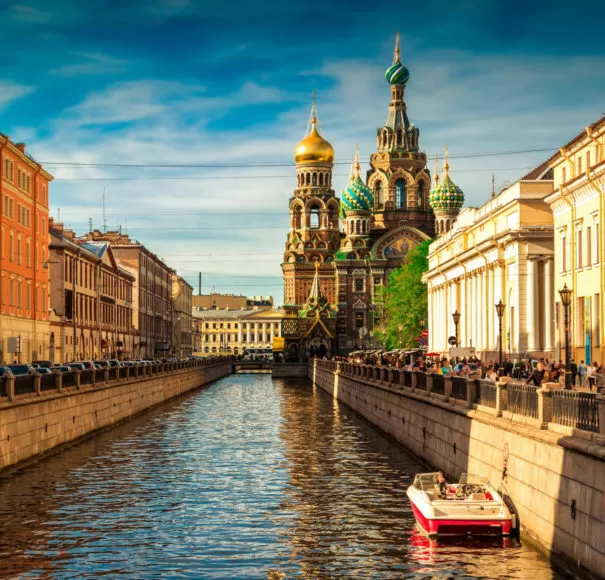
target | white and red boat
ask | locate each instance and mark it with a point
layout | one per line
(472, 506)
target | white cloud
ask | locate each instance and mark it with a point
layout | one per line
(91, 64)
(10, 91)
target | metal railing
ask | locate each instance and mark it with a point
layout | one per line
(575, 409)
(522, 399)
(459, 388)
(68, 379)
(438, 384)
(421, 380)
(486, 393)
(24, 384)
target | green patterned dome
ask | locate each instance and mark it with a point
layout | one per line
(397, 74)
(357, 196)
(446, 196)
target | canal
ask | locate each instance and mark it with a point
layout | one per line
(247, 478)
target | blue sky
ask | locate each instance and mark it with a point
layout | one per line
(185, 82)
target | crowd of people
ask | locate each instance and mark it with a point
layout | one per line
(531, 371)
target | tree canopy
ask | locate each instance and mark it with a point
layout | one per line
(405, 301)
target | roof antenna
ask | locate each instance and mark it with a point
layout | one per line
(104, 216)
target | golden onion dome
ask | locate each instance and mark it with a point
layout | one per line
(314, 148)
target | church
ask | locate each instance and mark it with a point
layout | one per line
(339, 252)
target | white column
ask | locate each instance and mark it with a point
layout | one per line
(549, 309)
(530, 314)
(475, 309)
(463, 313)
(430, 314)
(441, 317)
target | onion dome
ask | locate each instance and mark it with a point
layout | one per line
(356, 196)
(446, 195)
(314, 148)
(397, 73)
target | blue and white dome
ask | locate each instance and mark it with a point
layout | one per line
(357, 196)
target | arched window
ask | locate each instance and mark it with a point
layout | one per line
(357, 227)
(314, 218)
(384, 138)
(421, 194)
(308, 179)
(314, 178)
(400, 193)
(297, 217)
(379, 195)
(321, 179)
(364, 227)
(399, 138)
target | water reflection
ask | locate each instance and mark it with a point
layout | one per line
(247, 479)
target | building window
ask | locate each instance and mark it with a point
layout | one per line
(400, 201)
(379, 194)
(579, 165)
(11, 248)
(11, 293)
(563, 174)
(579, 254)
(596, 317)
(563, 254)
(597, 235)
(19, 251)
(358, 319)
(587, 160)
(19, 294)
(314, 218)
(28, 298)
(580, 313)
(358, 284)
(588, 246)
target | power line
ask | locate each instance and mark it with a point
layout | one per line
(227, 177)
(270, 163)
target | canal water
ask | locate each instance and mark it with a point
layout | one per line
(248, 478)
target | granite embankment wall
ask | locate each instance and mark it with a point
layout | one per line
(41, 413)
(553, 473)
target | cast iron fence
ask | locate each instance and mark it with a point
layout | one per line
(575, 409)
(522, 399)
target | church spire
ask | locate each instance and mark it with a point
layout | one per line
(436, 178)
(315, 292)
(397, 55)
(446, 164)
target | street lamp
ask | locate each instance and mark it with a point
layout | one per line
(565, 294)
(456, 317)
(500, 310)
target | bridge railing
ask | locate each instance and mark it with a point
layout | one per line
(544, 407)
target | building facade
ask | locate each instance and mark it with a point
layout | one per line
(236, 331)
(152, 301)
(24, 284)
(91, 300)
(500, 251)
(182, 292)
(577, 203)
(382, 219)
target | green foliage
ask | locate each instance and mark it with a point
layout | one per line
(340, 255)
(405, 301)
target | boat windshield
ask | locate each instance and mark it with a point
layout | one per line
(426, 481)
(470, 479)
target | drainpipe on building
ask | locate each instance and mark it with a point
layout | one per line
(2, 147)
(601, 248)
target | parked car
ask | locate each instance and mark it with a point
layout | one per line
(88, 364)
(114, 363)
(45, 364)
(44, 370)
(25, 369)
(62, 369)
(76, 366)
(5, 372)
(103, 363)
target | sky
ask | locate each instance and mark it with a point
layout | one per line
(105, 93)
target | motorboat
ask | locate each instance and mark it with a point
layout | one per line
(471, 506)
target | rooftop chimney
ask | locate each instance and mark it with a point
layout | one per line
(20, 146)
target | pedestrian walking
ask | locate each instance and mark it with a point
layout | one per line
(574, 373)
(582, 373)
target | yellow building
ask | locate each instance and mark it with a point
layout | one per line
(577, 204)
(236, 331)
(502, 250)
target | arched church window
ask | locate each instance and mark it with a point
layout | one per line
(314, 218)
(384, 138)
(314, 178)
(308, 179)
(300, 259)
(379, 195)
(400, 193)
(357, 227)
(364, 227)
(297, 217)
(321, 179)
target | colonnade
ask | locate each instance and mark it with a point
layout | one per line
(528, 322)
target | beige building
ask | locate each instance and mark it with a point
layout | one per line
(577, 204)
(91, 300)
(230, 301)
(236, 331)
(502, 250)
(152, 291)
(181, 316)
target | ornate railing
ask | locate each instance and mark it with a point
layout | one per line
(421, 380)
(438, 384)
(522, 399)
(486, 393)
(575, 409)
(459, 388)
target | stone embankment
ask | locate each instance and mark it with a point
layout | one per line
(544, 448)
(39, 413)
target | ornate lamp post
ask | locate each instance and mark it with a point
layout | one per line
(565, 294)
(456, 317)
(500, 311)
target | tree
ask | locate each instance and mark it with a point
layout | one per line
(405, 301)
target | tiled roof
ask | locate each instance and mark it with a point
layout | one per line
(235, 314)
